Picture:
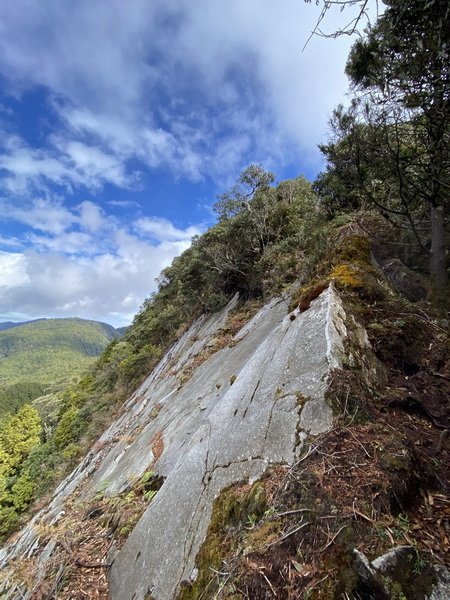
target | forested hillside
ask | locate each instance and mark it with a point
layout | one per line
(43, 349)
(38, 360)
(374, 229)
(39, 355)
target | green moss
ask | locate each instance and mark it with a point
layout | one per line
(397, 462)
(349, 266)
(347, 276)
(354, 249)
(266, 534)
(232, 509)
(347, 395)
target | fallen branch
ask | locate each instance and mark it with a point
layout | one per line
(271, 587)
(292, 512)
(287, 535)
(333, 538)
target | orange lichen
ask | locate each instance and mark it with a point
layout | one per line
(311, 294)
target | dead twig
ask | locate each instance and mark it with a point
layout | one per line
(293, 512)
(271, 587)
(333, 538)
(85, 565)
(356, 440)
(287, 535)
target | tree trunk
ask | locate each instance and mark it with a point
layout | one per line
(439, 284)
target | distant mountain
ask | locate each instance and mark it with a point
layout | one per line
(10, 324)
(48, 350)
(121, 330)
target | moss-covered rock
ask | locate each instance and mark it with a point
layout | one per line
(237, 506)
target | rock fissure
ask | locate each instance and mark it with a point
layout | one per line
(236, 462)
(253, 394)
(269, 421)
(215, 436)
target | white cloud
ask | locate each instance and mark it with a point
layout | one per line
(74, 242)
(163, 230)
(174, 85)
(92, 217)
(92, 167)
(123, 203)
(87, 264)
(41, 214)
(11, 242)
(24, 164)
(12, 269)
(66, 163)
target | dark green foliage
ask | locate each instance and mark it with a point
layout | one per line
(68, 428)
(237, 199)
(42, 463)
(8, 519)
(393, 144)
(12, 397)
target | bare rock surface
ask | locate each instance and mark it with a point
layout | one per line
(245, 408)
(201, 422)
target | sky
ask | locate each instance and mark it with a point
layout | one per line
(121, 121)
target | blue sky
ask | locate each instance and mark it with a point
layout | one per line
(121, 121)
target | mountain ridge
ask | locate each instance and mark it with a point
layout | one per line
(36, 355)
(5, 325)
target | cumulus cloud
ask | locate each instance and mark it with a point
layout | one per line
(196, 90)
(92, 217)
(172, 84)
(77, 272)
(12, 270)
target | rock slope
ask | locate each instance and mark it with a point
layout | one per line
(201, 422)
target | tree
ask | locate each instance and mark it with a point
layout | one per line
(253, 178)
(19, 434)
(397, 130)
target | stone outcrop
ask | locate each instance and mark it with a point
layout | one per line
(247, 407)
(201, 422)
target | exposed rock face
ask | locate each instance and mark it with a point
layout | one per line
(246, 407)
(216, 434)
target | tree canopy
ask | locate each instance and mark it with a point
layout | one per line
(393, 141)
